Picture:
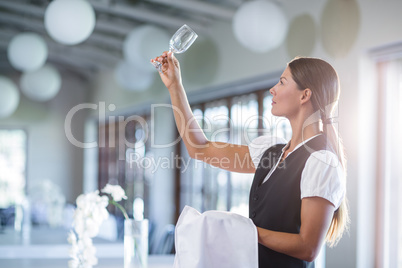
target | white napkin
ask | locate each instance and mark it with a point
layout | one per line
(215, 239)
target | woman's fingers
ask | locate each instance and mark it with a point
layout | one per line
(164, 60)
(170, 57)
(161, 57)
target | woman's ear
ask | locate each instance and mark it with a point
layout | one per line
(306, 95)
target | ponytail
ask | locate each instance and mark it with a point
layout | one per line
(340, 219)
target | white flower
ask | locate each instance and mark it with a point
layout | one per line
(89, 215)
(72, 238)
(92, 228)
(89, 254)
(73, 263)
(74, 252)
(115, 191)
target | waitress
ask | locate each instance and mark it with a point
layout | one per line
(297, 198)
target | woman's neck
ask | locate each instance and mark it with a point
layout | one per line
(304, 129)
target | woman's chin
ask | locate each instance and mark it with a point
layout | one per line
(275, 113)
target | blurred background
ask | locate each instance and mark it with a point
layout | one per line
(80, 106)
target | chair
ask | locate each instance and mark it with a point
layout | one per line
(166, 242)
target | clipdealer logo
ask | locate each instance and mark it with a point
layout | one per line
(228, 128)
(111, 119)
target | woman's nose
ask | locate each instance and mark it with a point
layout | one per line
(272, 91)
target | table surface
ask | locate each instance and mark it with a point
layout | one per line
(48, 248)
(154, 261)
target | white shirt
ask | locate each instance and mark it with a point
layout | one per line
(322, 176)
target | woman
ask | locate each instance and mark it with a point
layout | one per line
(297, 199)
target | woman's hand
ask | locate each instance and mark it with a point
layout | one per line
(170, 75)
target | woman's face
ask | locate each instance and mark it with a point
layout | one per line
(286, 96)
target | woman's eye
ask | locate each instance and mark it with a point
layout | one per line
(281, 82)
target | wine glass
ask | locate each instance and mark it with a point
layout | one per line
(179, 43)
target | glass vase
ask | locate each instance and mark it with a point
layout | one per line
(136, 243)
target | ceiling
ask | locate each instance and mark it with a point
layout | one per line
(114, 20)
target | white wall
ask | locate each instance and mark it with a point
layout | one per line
(50, 154)
(162, 186)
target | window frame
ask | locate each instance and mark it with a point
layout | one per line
(23, 129)
(372, 193)
(114, 169)
(259, 85)
(386, 182)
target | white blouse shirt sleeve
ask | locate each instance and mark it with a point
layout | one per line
(323, 176)
(259, 145)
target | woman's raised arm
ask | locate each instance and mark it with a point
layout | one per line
(223, 155)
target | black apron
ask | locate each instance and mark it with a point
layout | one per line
(276, 204)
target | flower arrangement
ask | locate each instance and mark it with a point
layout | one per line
(117, 194)
(90, 213)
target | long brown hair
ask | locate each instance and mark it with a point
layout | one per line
(321, 78)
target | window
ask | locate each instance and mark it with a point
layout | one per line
(123, 146)
(13, 154)
(389, 187)
(234, 119)
(13, 146)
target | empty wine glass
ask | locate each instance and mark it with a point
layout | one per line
(179, 43)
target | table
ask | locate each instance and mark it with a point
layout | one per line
(48, 248)
(154, 261)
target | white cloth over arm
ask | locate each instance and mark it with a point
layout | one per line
(215, 239)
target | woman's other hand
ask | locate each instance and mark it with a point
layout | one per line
(170, 75)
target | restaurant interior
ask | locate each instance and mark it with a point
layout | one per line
(81, 107)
